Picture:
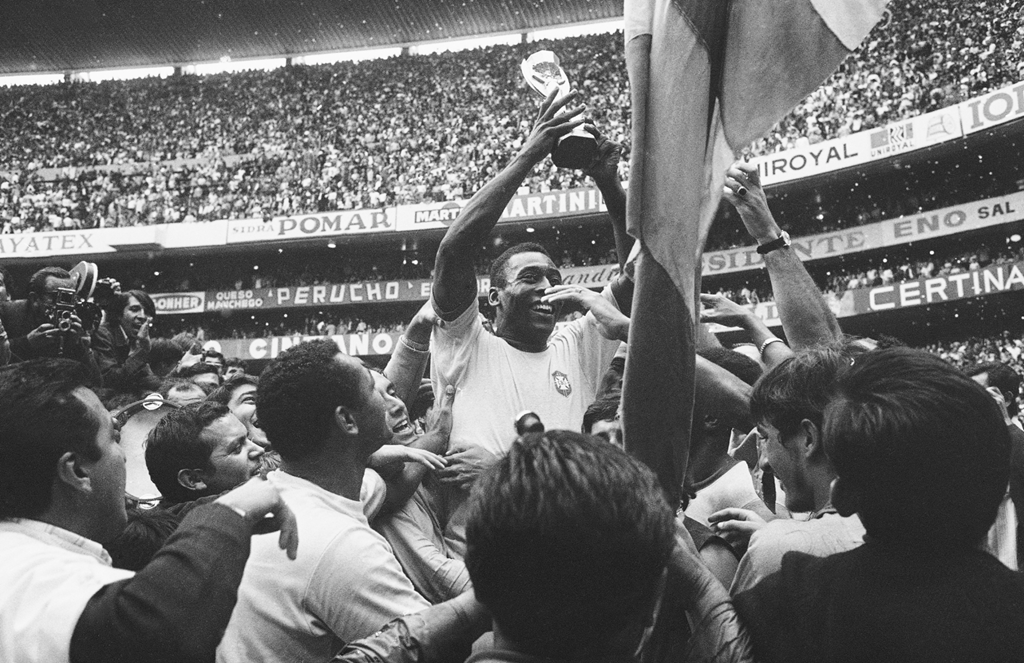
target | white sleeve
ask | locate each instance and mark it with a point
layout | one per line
(451, 344)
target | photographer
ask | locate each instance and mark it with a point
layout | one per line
(122, 343)
(47, 324)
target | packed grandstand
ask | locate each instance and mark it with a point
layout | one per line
(264, 206)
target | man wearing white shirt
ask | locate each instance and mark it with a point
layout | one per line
(324, 413)
(62, 479)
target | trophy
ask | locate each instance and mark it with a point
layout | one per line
(577, 149)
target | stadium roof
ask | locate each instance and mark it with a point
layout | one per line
(38, 36)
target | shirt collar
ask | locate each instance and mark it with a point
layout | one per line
(56, 536)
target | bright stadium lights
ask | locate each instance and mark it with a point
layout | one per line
(465, 44)
(1014, 237)
(599, 27)
(30, 79)
(348, 56)
(332, 244)
(124, 74)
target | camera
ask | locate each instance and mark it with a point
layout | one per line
(64, 309)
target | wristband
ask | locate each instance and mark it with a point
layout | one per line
(769, 341)
(413, 345)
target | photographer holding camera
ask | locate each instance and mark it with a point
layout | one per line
(122, 343)
(47, 324)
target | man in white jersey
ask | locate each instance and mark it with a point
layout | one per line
(523, 365)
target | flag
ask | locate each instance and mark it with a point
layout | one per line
(707, 77)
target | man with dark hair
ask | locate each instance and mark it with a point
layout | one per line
(62, 480)
(525, 364)
(164, 355)
(199, 450)
(788, 404)
(234, 366)
(33, 334)
(122, 344)
(238, 393)
(205, 375)
(1007, 537)
(1002, 377)
(181, 391)
(921, 453)
(324, 413)
(566, 541)
(215, 359)
(602, 419)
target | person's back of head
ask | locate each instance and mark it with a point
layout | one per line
(146, 532)
(920, 449)
(567, 538)
(299, 394)
(41, 419)
(177, 443)
(1002, 377)
(164, 355)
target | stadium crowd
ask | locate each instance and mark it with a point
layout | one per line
(479, 499)
(346, 136)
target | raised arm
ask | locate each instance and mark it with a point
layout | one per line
(806, 317)
(454, 287)
(605, 173)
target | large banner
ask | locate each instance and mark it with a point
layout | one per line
(860, 148)
(356, 345)
(305, 226)
(343, 294)
(990, 280)
(526, 207)
(993, 108)
(893, 232)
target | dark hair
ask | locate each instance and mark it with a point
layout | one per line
(603, 409)
(175, 444)
(41, 419)
(566, 539)
(1002, 377)
(164, 352)
(37, 284)
(146, 532)
(213, 354)
(499, 277)
(237, 361)
(187, 341)
(736, 363)
(224, 393)
(201, 368)
(170, 383)
(798, 388)
(922, 445)
(120, 303)
(298, 395)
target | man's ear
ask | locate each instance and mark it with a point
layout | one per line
(72, 473)
(813, 446)
(346, 420)
(492, 296)
(845, 498)
(192, 479)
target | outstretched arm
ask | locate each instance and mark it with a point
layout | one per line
(454, 287)
(806, 317)
(605, 173)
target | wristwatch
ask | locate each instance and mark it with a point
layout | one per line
(782, 241)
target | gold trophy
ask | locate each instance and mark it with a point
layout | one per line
(577, 149)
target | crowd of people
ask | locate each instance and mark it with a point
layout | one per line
(509, 489)
(327, 511)
(343, 136)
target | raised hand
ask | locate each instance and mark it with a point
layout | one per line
(551, 125)
(612, 323)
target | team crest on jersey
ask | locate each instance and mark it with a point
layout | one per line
(562, 383)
